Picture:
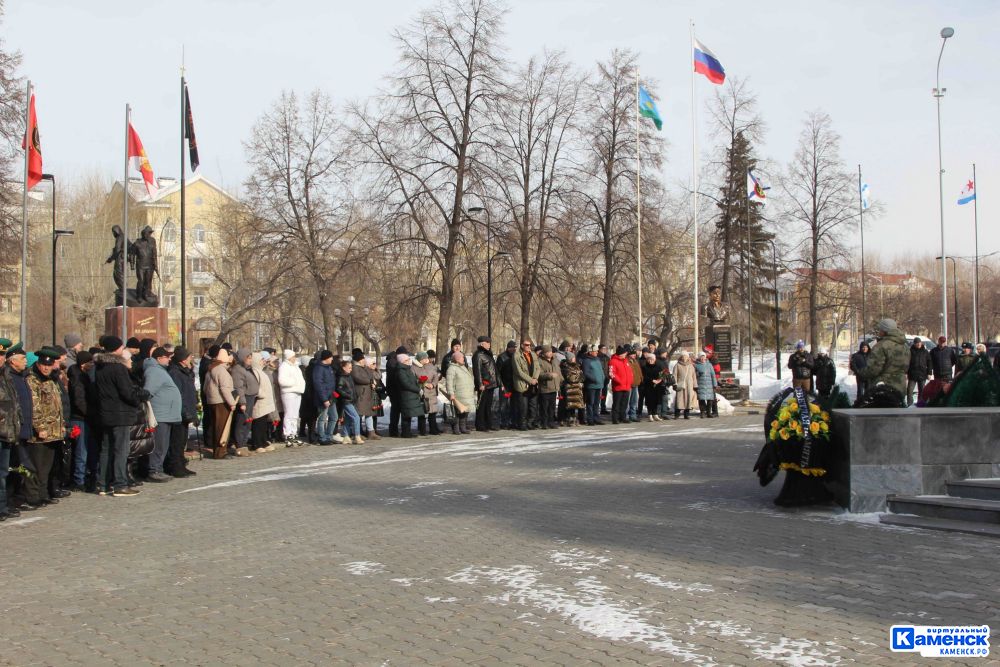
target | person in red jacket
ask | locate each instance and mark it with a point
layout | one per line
(621, 384)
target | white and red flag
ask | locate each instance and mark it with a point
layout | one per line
(137, 156)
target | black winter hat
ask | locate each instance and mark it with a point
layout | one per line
(402, 350)
(181, 353)
(511, 345)
(83, 357)
(431, 354)
(132, 343)
(484, 339)
(227, 346)
(213, 351)
(455, 341)
(357, 354)
(325, 354)
(111, 343)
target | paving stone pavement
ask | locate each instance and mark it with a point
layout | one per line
(645, 544)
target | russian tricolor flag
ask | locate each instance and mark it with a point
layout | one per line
(706, 63)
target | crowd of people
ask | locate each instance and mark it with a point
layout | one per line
(106, 419)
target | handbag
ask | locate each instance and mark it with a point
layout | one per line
(151, 422)
(380, 389)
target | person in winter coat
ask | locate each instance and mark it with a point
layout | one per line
(365, 398)
(265, 408)
(446, 361)
(484, 372)
(411, 402)
(621, 385)
(461, 392)
(706, 386)
(634, 410)
(203, 364)
(685, 382)
(246, 385)
(574, 412)
(505, 373)
(605, 359)
(181, 371)
(825, 372)
(943, 360)
(858, 362)
(919, 369)
(549, 378)
(119, 399)
(594, 383)
(165, 399)
(291, 386)
(652, 386)
(392, 388)
(966, 359)
(526, 386)
(428, 378)
(345, 403)
(221, 403)
(15, 427)
(82, 400)
(801, 365)
(889, 360)
(324, 385)
(48, 429)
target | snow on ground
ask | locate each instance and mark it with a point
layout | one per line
(765, 383)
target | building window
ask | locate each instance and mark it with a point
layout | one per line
(169, 233)
(169, 300)
(199, 234)
(7, 306)
(199, 265)
(199, 301)
(169, 266)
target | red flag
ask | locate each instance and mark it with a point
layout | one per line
(140, 162)
(34, 148)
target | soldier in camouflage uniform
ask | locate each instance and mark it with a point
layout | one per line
(48, 427)
(889, 359)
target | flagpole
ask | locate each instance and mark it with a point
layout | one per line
(694, 198)
(125, 245)
(864, 283)
(183, 222)
(638, 204)
(24, 219)
(749, 290)
(975, 279)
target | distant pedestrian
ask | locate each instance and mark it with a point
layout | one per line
(801, 365)
(918, 370)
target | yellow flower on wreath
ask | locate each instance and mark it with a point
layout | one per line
(825, 416)
(773, 435)
(793, 406)
(775, 425)
(825, 428)
(784, 434)
(814, 409)
(814, 428)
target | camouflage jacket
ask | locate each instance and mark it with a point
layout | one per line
(888, 362)
(47, 408)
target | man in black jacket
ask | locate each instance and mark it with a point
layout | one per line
(82, 401)
(392, 388)
(505, 371)
(181, 371)
(605, 359)
(120, 400)
(825, 372)
(918, 371)
(15, 427)
(801, 365)
(484, 371)
(943, 360)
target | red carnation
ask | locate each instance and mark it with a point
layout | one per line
(74, 432)
(336, 394)
(486, 383)
(506, 394)
(423, 379)
(275, 423)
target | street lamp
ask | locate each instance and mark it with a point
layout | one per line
(56, 233)
(350, 311)
(946, 33)
(777, 316)
(489, 267)
(954, 284)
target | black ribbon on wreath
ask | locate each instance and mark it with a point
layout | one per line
(802, 399)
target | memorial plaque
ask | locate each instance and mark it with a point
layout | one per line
(142, 322)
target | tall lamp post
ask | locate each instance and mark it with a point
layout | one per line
(777, 312)
(350, 313)
(489, 267)
(946, 33)
(954, 291)
(56, 233)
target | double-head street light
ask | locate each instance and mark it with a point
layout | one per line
(946, 33)
(489, 265)
(56, 233)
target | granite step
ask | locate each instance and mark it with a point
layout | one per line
(950, 525)
(982, 489)
(946, 507)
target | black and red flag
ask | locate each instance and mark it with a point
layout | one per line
(189, 131)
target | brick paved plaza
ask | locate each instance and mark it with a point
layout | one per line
(648, 544)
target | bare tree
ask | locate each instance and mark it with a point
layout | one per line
(821, 196)
(609, 166)
(423, 139)
(299, 192)
(532, 137)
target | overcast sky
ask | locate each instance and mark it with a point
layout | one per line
(870, 65)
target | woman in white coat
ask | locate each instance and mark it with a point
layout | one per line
(292, 385)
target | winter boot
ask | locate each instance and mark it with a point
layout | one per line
(454, 426)
(687, 414)
(463, 424)
(715, 408)
(422, 426)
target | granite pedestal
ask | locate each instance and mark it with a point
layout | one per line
(913, 451)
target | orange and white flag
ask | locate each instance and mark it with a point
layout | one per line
(137, 155)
